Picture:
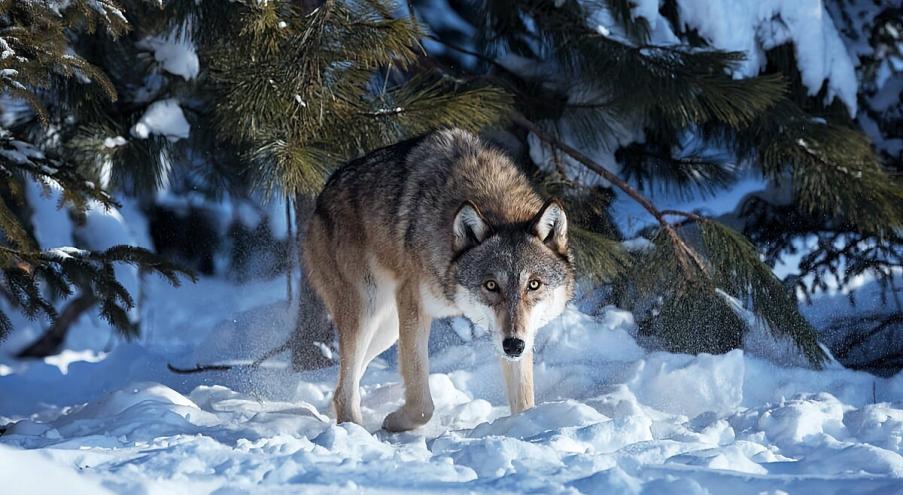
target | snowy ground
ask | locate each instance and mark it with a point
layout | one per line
(611, 418)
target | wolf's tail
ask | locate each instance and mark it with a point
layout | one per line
(311, 342)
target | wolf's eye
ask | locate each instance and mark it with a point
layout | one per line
(491, 285)
(533, 284)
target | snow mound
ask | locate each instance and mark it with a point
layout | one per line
(36, 473)
(163, 118)
(803, 421)
(540, 419)
(691, 385)
(877, 424)
(610, 418)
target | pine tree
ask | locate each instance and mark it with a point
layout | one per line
(299, 92)
(579, 85)
(848, 250)
(299, 88)
(289, 90)
(40, 67)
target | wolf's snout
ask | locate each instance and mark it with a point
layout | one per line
(513, 346)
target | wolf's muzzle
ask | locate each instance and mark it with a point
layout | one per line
(513, 347)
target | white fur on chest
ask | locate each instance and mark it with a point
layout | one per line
(435, 304)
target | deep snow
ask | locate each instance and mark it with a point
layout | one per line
(611, 417)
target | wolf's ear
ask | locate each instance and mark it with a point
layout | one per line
(551, 226)
(469, 227)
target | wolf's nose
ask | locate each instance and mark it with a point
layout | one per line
(513, 346)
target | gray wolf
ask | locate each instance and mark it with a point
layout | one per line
(438, 226)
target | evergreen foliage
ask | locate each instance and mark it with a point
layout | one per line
(296, 80)
(288, 90)
(832, 169)
(39, 68)
(594, 87)
(299, 92)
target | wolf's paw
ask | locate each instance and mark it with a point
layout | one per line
(347, 413)
(401, 421)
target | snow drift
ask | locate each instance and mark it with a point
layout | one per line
(611, 417)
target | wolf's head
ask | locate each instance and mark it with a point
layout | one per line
(512, 279)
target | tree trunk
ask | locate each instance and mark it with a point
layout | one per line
(290, 242)
(52, 341)
(313, 329)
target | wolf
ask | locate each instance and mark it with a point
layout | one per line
(437, 226)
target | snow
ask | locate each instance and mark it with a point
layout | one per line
(68, 356)
(106, 9)
(610, 416)
(21, 152)
(175, 52)
(754, 26)
(66, 252)
(114, 142)
(164, 118)
(19, 470)
(5, 50)
(52, 226)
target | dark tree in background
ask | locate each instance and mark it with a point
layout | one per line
(285, 91)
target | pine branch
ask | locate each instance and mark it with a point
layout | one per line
(841, 250)
(290, 99)
(683, 251)
(738, 269)
(677, 84)
(652, 167)
(691, 292)
(832, 169)
(598, 257)
(89, 272)
(35, 42)
(23, 161)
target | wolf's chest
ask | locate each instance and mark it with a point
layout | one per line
(435, 304)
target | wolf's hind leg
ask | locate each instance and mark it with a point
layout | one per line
(519, 382)
(414, 334)
(352, 348)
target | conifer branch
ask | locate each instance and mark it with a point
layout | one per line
(683, 251)
(734, 265)
(643, 201)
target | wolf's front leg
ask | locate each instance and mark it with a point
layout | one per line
(519, 382)
(413, 336)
